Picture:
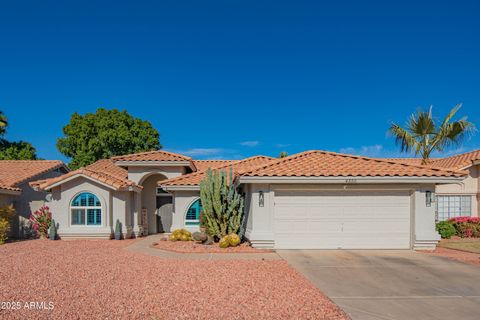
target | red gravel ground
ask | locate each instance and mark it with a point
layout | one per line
(463, 256)
(101, 280)
(193, 247)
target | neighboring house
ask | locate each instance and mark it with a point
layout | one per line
(310, 200)
(15, 176)
(462, 198)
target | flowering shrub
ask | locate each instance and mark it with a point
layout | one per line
(466, 227)
(41, 220)
(465, 219)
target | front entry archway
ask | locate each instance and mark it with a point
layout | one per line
(158, 207)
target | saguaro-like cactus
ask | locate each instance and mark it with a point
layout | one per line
(222, 204)
(52, 232)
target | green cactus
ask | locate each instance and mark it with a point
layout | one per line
(233, 240)
(224, 243)
(52, 232)
(222, 204)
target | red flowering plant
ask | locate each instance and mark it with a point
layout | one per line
(466, 227)
(41, 221)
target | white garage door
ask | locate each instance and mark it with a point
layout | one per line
(342, 220)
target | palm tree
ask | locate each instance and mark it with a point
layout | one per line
(423, 134)
(283, 154)
(3, 123)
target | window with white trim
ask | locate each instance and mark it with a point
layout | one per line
(453, 206)
(192, 218)
(86, 209)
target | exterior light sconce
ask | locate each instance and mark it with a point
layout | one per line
(429, 198)
(261, 199)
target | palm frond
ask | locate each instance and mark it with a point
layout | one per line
(403, 138)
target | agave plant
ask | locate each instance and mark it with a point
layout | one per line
(423, 134)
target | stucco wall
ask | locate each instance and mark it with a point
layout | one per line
(469, 186)
(114, 206)
(26, 203)
(260, 224)
(139, 173)
(181, 202)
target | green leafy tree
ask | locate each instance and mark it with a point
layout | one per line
(3, 123)
(104, 134)
(17, 150)
(423, 134)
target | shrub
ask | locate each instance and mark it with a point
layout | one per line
(222, 205)
(466, 227)
(446, 229)
(41, 220)
(6, 215)
(4, 229)
(180, 235)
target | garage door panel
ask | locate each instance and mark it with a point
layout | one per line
(350, 220)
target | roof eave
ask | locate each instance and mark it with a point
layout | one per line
(10, 192)
(181, 188)
(144, 163)
(78, 175)
(348, 180)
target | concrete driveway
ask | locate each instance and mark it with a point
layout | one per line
(392, 284)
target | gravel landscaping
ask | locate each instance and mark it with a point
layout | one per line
(463, 256)
(193, 247)
(101, 280)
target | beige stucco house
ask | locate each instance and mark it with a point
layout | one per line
(15, 190)
(310, 200)
(461, 198)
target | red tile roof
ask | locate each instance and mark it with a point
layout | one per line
(104, 171)
(15, 172)
(158, 155)
(238, 167)
(205, 164)
(458, 162)
(329, 164)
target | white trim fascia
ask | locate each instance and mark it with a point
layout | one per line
(83, 176)
(10, 192)
(181, 188)
(132, 188)
(348, 180)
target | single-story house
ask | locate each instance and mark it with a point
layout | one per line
(310, 200)
(461, 198)
(15, 190)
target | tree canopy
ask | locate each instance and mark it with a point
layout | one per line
(16, 150)
(104, 134)
(423, 134)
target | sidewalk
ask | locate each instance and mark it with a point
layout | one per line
(144, 246)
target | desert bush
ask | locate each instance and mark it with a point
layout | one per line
(222, 204)
(446, 229)
(41, 220)
(6, 215)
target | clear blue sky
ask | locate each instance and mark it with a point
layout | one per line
(236, 78)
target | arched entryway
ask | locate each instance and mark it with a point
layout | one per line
(157, 203)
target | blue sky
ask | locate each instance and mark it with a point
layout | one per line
(230, 79)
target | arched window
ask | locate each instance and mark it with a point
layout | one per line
(86, 209)
(192, 218)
